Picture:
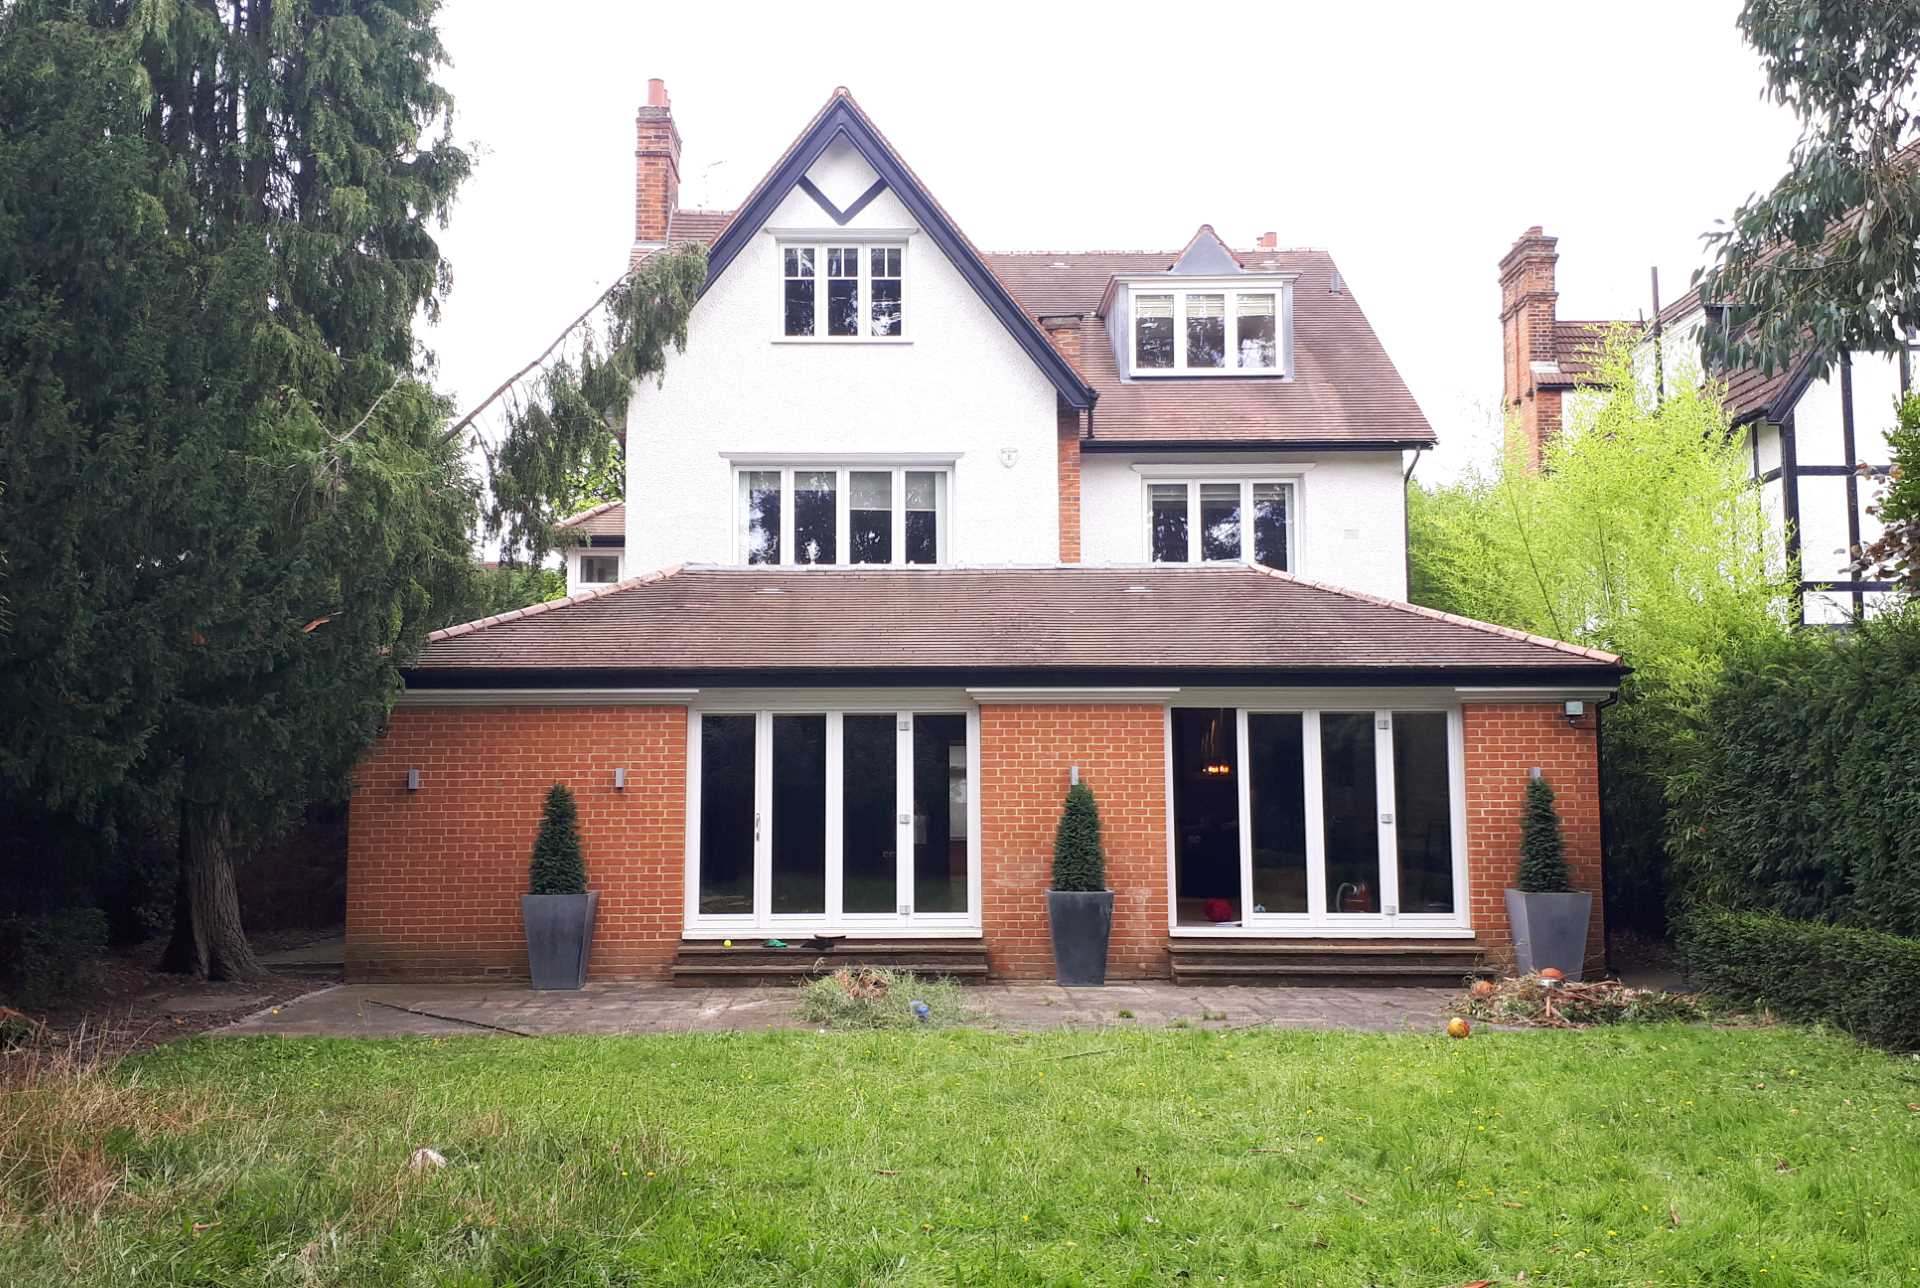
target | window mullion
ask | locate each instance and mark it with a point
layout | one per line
(820, 292)
(842, 523)
(1232, 329)
(1179, 330)
(1246, 520)
(1193, 521)
(786, 517)
(1316, 816)
(1385, 818)
(903, 827)
(1244, 795)
(898, 518)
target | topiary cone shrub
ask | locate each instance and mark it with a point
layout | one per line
(557, 867)
(1543, 853)
(1079, 862)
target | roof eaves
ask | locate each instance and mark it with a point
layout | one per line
(548, 606)
(1420, 610)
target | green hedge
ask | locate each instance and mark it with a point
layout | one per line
(1863, 981)
(1803, 795)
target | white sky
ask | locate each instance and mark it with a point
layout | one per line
(1414, 141)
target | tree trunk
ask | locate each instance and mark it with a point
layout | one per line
(209, 941)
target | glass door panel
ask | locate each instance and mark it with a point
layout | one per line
(798, 880)
(1277, 809)
(1423, 812)
(940, 813)
(869, 814)
(1206, 817)
(1351, 807)
(727, 824)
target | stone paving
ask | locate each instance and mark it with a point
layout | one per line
(440, 1010)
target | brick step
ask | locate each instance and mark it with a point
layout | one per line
(707, 962)
(1309, 974)
(1359, 962)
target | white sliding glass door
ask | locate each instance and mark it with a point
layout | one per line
(832, 820)
(1316, 820)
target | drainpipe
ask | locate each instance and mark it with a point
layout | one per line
(1406, 518)
(1600, 777)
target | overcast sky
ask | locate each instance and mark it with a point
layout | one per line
(1414, 141)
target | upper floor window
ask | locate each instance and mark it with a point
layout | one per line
(849, 514)
(1230, 520)
(599, 569)
(864, 295)
(1215, 331)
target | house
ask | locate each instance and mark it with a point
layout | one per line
(917, 535)
(1807, 433)
(594, 546)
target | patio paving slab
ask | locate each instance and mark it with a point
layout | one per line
(611, 1009)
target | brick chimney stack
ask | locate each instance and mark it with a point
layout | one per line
(1528, 304)
(656, 154)
(1269, 241)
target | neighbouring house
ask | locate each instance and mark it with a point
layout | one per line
(594, 546)
(1807, 433)
(916, 535)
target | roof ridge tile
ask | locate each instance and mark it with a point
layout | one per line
(1421, 610)
(549, 605)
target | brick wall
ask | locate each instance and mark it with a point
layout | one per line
(1504, 743)
(656, 159)
(1529, 304)
(1025, 754)
(434, 877)
(1064, 333)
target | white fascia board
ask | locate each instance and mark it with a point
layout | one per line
(545, 697)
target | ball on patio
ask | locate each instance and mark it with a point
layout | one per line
(1457, 1027)
(726, 943)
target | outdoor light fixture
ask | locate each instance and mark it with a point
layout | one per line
(1575, 710)
(619, 780)
(1073, 775)
(413, 780)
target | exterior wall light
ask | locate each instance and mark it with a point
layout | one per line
(1575, 710)
(619, 780)
(1073, 775)
(413, 780)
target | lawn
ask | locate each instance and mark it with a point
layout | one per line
(1658, 1154)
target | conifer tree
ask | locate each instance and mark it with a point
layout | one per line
(557, 867)
(1543, 856)
(1079, 860)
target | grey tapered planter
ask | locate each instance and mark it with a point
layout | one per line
(1081, 922)
(559, 936)
(1550, 930)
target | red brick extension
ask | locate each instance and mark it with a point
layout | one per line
(1026, 753)
(435, 877)
(1505, 743)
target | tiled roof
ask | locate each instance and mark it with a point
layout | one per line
(1221, 620)
(608, 519)
(1345, 389)
(696, 226)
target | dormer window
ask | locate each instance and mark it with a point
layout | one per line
(1216, 330)
(864, 296)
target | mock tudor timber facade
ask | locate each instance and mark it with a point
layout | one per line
(913, 536)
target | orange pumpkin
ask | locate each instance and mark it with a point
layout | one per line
(1553, 973)
(1482, 989)
(1457, 1027)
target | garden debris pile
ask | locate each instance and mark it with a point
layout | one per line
(1534, 1001)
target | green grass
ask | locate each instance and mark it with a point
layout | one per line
(963, 1157)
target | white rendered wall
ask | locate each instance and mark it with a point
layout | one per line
(1349, 522)
(957, 385)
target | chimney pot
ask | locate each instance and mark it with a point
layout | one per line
(1269, 241)
(657, 93)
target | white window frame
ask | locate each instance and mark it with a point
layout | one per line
(580, 566)
(1318, 922)
(1246, 483)
(1232, 289)
(834, 706)
(820, 242)
(943, 522)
